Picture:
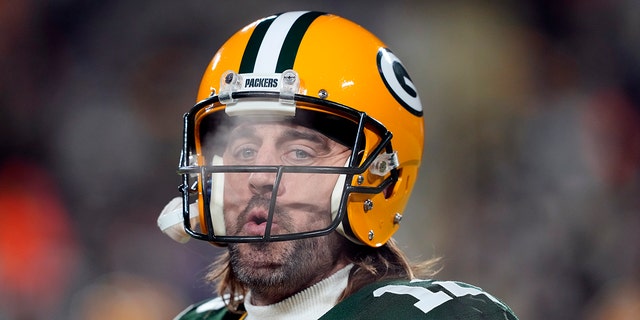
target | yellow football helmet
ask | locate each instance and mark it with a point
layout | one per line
(318, 71)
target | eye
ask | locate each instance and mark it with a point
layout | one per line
(299, 156)
(247, 153)
(244, 153)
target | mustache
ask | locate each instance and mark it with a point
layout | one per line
(260, 202)
(256, 202)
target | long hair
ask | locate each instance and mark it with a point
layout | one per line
(369, 265)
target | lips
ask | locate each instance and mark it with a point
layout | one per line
(256, 223)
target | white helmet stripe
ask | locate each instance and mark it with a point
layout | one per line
(272, 43)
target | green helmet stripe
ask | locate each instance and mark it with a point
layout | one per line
(251, 51)
(293, 39)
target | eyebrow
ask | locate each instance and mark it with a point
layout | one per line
(293, 134)
(307, 135)
(289, 134)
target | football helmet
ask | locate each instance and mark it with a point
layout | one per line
(338, 83)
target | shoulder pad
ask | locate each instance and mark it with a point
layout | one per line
(212, 309)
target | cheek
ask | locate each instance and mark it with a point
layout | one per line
(313, 188)
(236, 191)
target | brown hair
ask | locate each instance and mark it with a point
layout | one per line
(369, 265)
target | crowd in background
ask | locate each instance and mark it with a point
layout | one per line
(530, 185)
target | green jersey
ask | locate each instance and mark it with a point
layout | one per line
(398, 299)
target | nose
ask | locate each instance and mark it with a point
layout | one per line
(264, 183)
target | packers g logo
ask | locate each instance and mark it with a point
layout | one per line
(398, 82)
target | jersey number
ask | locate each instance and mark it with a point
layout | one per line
(427, 299)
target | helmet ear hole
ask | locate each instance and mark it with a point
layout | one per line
(388, 191)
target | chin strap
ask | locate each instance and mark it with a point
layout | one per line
(171, 222)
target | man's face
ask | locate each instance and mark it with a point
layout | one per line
(303, 201)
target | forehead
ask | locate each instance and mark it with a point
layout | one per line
(271, 129)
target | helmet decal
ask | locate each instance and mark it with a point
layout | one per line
(274, 43)
(397, 80)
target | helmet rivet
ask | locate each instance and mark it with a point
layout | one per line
(382, 166)
(368, 205)
(397, 218)
(360, 180)
(289, 77)
(228, 78)
(323, 94)
(371, 234)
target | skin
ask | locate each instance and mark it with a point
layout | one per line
(274, 271)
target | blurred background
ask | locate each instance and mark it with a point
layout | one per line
(530, 181)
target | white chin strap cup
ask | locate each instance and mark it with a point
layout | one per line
(171, 223)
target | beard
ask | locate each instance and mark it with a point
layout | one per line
(281, 267)
(284, 267)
